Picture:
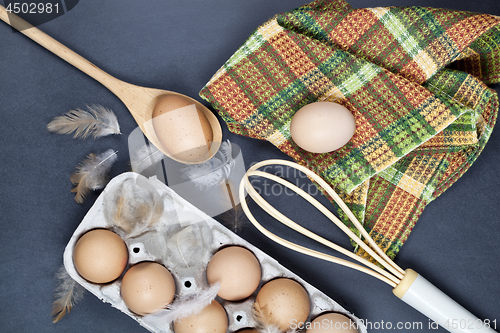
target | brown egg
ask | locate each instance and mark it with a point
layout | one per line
(182, 128)
(147, 287)
(332, 323)
(100, 256)
(283, 302)
(322, 127)
(237, 270)
(212, 319)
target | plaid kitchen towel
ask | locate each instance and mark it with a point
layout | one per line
(414, 78)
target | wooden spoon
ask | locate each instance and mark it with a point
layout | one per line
(140, 101)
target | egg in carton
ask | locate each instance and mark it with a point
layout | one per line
(183, 239)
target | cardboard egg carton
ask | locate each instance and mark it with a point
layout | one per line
(154, 246)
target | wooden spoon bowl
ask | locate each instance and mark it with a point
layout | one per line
(140, 101)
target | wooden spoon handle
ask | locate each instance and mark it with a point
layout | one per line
(62, 51)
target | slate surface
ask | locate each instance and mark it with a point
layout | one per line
(178, 45)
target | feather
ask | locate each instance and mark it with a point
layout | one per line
(270, 329)
(265, 322)
(98, 121)
(183, 307)
(67, 294)
(226, 150)
(212, 172)
(187, 245)
(205, 175)
(262, 316)
(145, 157)
(91, 174)
(184, 237)
(133, 207)
(234, 219)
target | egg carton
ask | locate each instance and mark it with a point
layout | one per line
(153, 246)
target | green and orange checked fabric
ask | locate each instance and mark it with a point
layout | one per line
(414, 78)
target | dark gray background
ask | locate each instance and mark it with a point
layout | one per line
(179, 45)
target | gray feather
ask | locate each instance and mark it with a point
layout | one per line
(98, 121)
(67, 293)
(92, 173)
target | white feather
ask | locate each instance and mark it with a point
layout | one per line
(270, 329)
(134, 207)
(183, 307)
(212, 172)
(98, 121)
(226, 150)
(145, 157)
(187, 246)
(205, 175)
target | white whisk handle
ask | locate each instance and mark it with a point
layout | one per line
(436, 305)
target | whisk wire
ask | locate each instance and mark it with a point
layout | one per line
(305, 250)
(371, 248)
(356, 223)
(322, 183)
(291, 224)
